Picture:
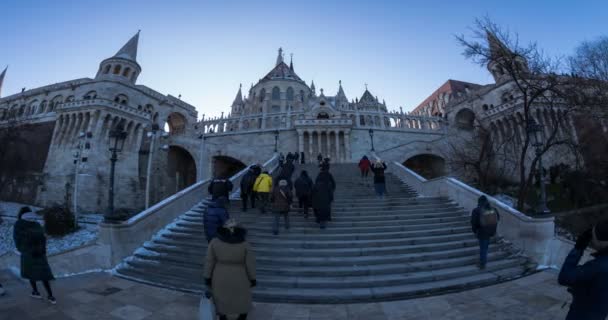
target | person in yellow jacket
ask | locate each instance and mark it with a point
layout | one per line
(262, 187)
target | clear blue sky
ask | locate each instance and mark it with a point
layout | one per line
(203, 49)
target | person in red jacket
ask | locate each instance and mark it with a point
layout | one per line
(364, 165)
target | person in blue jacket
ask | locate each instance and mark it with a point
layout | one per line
(215, 216)
(588, 283)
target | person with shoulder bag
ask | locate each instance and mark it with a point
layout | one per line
(281, 203)
(484, 223)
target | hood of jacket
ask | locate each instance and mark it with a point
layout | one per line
(238, 236)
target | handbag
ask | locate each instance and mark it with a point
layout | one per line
(206, 309)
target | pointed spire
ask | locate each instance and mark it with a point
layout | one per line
(2, 79)
(497, 47)
(312, 87)
(239, 97)
(341, 93)
(129, 50)
(280, 57)
(291, 62)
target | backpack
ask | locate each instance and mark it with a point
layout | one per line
(488, 219)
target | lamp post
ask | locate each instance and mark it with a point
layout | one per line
(117, 139)
(536, 134)
(153, 134)
(371, 137)
(276, 140)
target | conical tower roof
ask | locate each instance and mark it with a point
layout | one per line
(129, 50)
(239, 97)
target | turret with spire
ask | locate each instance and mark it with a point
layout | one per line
(341, 99)
(2, 75)
(279, 57)
(123, 65)
(501, 58)
(238, 101)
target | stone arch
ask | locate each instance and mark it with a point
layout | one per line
(465, 119)
(226, 166)
(121, 99)
(117, 69)
(90, 95)
(181, 169)
(176, 123)
(427, 165)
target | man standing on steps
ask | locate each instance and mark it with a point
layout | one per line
(247, 188)
(303, 187)
(262, 187)
(484, 222)
(379, 179)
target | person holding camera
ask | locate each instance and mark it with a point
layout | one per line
(588, 283)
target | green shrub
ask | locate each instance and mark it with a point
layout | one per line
(58, 221)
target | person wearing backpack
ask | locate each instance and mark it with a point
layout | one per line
(214, 217)
(303, 187)
(281, 203)
(247, 183)
(484, 222)
(588, 283)
(220, 187)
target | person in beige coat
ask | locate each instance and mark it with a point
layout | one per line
(230, 271)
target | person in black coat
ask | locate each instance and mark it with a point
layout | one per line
(379, 178)
(321, 202)
(220, 187)
(31, 243)
(303, 187)
(588, 283)
(302, 158)
(326, 182)
(214, 217)
(247, 183)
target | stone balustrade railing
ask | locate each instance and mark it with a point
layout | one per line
(534, 236)
(324, 122)
(119, 240)
(67, 106)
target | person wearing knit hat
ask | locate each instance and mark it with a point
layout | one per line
(588, 283)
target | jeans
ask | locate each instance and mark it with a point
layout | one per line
(251, 197)
(264, 198)
(380, 189)
(277, 217)
(483, 251)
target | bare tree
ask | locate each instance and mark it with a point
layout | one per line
(11, 160)
(479, 154)
(539, 89)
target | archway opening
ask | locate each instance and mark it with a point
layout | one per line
(427, 165)
(177, 123)
(226, 167)
(181, 169)
(465, 119)
(323, 115)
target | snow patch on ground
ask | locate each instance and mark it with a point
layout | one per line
(85, 235)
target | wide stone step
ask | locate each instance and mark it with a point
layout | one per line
(268, 267)
(332, 252)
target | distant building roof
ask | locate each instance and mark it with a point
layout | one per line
(450, 87)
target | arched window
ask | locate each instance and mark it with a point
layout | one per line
(465, 119)
(56, 101)
(42, 106)
(122, 99)
(485, 107)
(107, 69)
(126, 72)
(117, 69)
(276, 93)
(290, 94)
(262, 95)
(90, 95)
(69, 99)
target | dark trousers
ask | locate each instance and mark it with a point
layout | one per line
(45, 283)
(277, 217)
(303, 202)
(483, 251)
(251, 197)
(264, 198)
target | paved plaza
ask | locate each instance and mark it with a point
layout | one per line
(101, 296)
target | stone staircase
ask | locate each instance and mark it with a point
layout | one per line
(403, 246)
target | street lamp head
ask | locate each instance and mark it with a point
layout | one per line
(371, 132)
(155, 127)
(276, 132)
(118, 135)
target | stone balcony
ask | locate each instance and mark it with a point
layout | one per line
(324, 123)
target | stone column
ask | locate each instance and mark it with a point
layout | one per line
(347, 156)
(310, 140)
(328, 139)
(300, 141)
(337, 145)
(320, 145)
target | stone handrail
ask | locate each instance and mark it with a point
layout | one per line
(271, 165)
(534, 236)
(120, 240)
(316, 122)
